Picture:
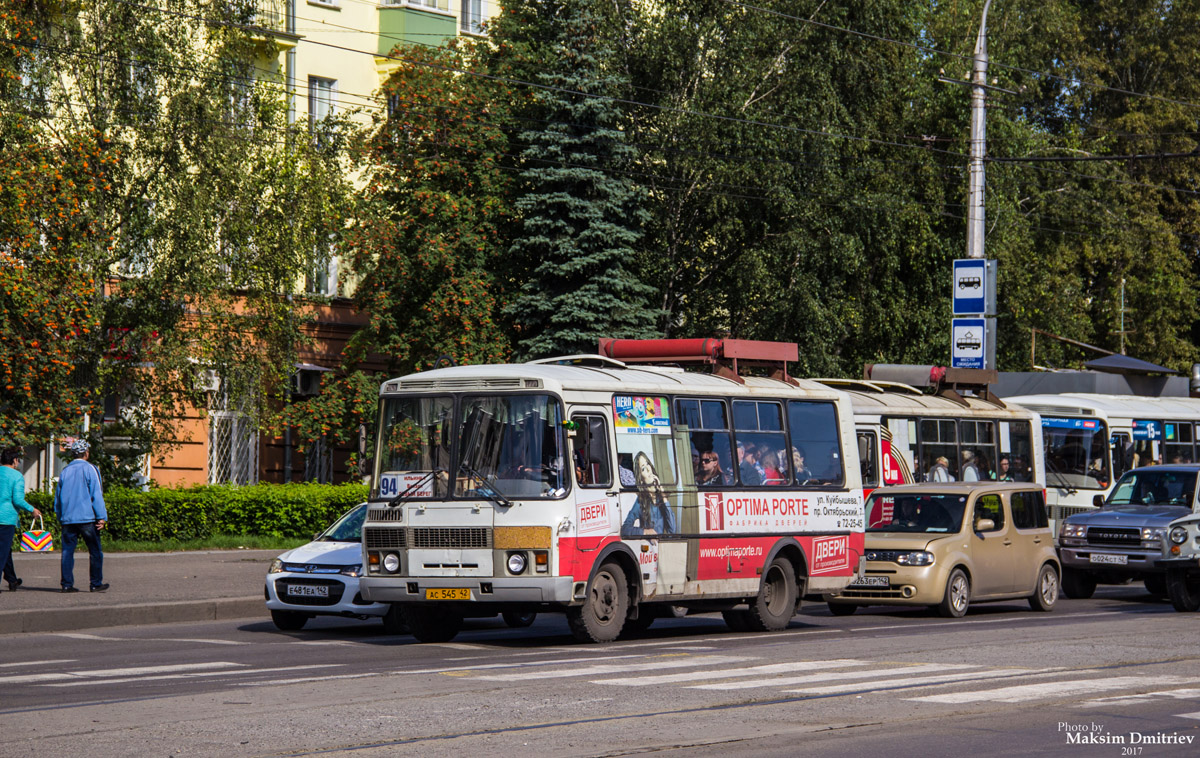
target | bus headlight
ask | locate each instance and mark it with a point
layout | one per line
(918, 558)
(391, 563)
(516, 563)
(1178, 535)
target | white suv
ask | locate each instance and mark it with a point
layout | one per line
(1181, 559)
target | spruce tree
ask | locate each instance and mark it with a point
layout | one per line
(580, 213)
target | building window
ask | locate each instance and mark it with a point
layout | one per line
(472, 17)
(321, 95)
(323, 280)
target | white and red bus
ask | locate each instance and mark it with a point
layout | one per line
(907, 435)
(613, 492)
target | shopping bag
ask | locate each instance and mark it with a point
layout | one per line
(37, 540)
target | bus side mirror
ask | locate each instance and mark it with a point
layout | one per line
(1098, 500)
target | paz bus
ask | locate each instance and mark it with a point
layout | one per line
(1091, 439)
(906, 435)
(614, 489)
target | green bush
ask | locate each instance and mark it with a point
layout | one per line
(269, 510)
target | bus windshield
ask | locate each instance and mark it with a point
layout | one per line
(511, 445)
(1076, 453)
(1150, 487)
(916, 512)
(414, 446)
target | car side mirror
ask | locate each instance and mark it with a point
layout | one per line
(1098, 500)
(985, 525)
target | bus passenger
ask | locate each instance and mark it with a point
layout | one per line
(650, 513)
(772, 475)
(747, 465)
(970, 470)
(1003, 474)
(940, 470)
(709, 473)
(803, 473)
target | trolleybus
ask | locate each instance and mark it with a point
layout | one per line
(906, 435)
(612, 492)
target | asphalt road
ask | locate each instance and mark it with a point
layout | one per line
(1002, 681)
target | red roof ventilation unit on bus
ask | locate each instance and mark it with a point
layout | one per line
(723, 354)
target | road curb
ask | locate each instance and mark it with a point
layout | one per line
(92, 616)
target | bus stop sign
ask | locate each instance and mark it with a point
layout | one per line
(970, 287)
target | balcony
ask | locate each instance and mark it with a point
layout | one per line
(269, 15)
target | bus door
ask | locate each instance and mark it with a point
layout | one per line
(597, 508)
(1122, 453)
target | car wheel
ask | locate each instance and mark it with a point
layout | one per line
(958, 595)
(1045, 594)
(775, 605)
(1184, 592)
(1076, 584)
(393, 620)
(431, 623)
(289, 621)
(602, 614)
(518, 620)
(736, 620)
(842, 609)
(1156, 584)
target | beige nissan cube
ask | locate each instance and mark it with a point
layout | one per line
(949, 545)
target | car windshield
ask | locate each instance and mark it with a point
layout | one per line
(348, 528)
(918, 512)
(1154, 487)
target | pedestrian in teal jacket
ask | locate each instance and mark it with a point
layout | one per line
(12, 498)
(79, 505)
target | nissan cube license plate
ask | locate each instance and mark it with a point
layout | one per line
(1118, 560)
(870, 581)
(308, 590)
(447, 593)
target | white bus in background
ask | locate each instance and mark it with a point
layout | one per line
(903, 432)
(1091, 439)
(613, 493)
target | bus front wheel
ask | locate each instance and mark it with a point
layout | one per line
(432, 623)
(603, 612)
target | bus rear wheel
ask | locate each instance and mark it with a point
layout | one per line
(775, 605)
(431, 623)
(603, 612)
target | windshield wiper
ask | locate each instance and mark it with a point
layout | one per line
(1062, 478)
(415, 487)
(486, 488)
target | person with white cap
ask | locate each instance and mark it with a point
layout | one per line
(79, 505)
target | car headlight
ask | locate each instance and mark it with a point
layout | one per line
(1073, 530)
(356, 570)
(1178, 535)
(1154, 533)
(391, 563)
(276, 567)
(516, 563)
(918, 558)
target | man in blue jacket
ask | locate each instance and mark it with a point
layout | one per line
(79, 505)
(12, 497)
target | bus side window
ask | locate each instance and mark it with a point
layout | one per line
(866, 459)
(589, 449)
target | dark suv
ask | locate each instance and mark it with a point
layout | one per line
(1122, 539)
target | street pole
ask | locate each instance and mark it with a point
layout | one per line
(975, 218)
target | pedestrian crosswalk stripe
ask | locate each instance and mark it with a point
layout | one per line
(909, 682)
(1025, 692)
(1099, 702)
(647, 664)
(516, 665)
(189, 675)
(770, 668)
(1195, 715)
(109, 673)
(788, 681)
